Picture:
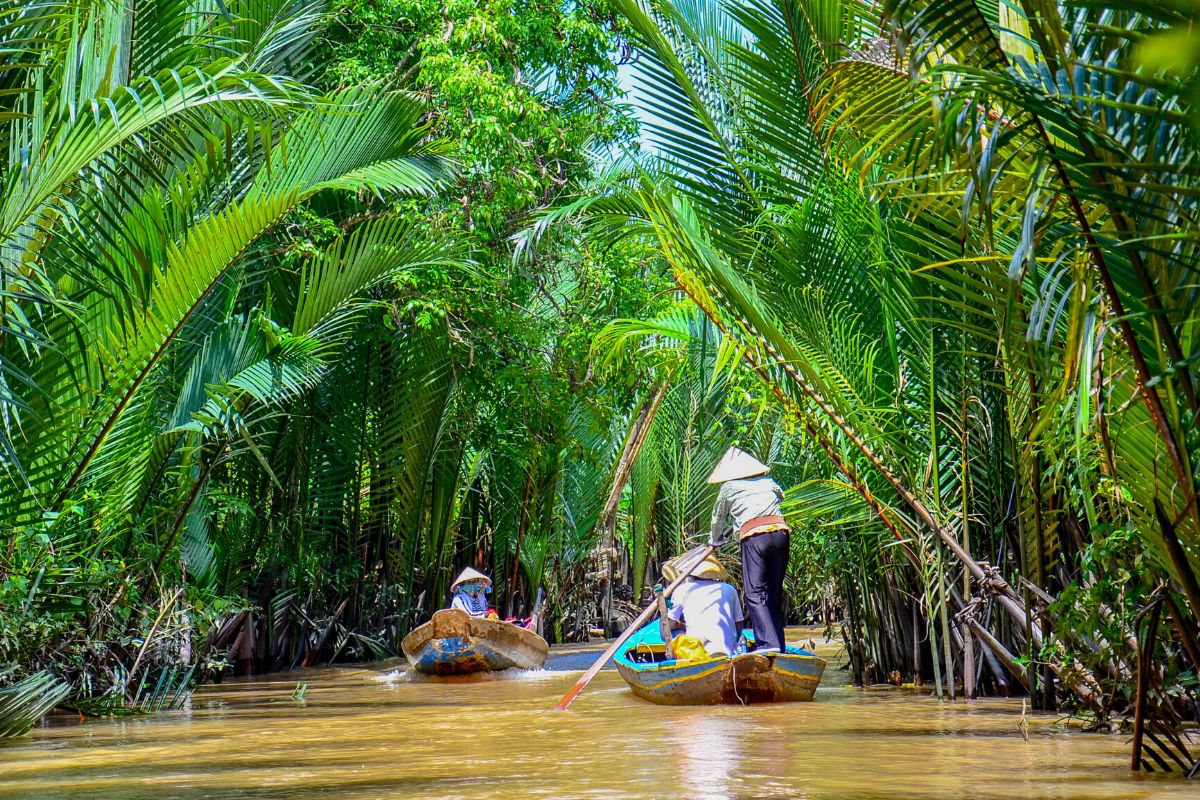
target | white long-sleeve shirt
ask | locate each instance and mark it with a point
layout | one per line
(743, 500)
(474, 604)
(710, 610)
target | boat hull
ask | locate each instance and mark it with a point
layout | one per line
(455, 643)
(747, 678)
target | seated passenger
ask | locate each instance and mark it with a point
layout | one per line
(470, 593)
(708, 605)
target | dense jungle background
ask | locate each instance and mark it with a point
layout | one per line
(306, 306)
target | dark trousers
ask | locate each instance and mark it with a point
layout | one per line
(764, 562)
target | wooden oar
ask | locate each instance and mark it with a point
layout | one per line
(641, 620)
(664, 621)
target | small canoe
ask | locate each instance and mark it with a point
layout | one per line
(455, 643)
(745, 678)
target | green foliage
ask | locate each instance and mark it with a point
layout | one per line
(161, 339)
(302, 309)
(522, 90)
(269, 370)
(24, 703)
(955, 242)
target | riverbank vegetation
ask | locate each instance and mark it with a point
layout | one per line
(305, 307)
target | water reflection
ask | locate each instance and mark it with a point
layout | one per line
(373, 733)
(706, 755)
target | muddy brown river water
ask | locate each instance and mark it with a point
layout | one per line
(375, 732)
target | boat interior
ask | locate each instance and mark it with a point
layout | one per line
(648, 653)
(644, 652)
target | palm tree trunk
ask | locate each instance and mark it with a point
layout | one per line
(638, 431)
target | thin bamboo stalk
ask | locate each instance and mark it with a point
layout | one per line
(964, 488)
(1145, 651)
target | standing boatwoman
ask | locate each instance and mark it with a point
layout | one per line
(752, 499)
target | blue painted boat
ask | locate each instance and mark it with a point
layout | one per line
(455, 643)
(746, 678)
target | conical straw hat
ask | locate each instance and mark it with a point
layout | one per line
(469, 574)
(737, 464)
(708, 569)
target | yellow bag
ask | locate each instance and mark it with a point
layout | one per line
(689, 648)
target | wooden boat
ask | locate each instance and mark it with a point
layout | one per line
(455, 643)
(746, 678)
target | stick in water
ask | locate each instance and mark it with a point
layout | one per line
(641, 620)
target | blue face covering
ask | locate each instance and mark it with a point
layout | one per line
(474, 588)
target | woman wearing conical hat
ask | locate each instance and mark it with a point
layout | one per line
(748, 504)
(470, 590)
(706, 604)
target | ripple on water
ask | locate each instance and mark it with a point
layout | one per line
(379, 732)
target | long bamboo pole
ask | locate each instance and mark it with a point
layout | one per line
(641, 620)
(1004, 594)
